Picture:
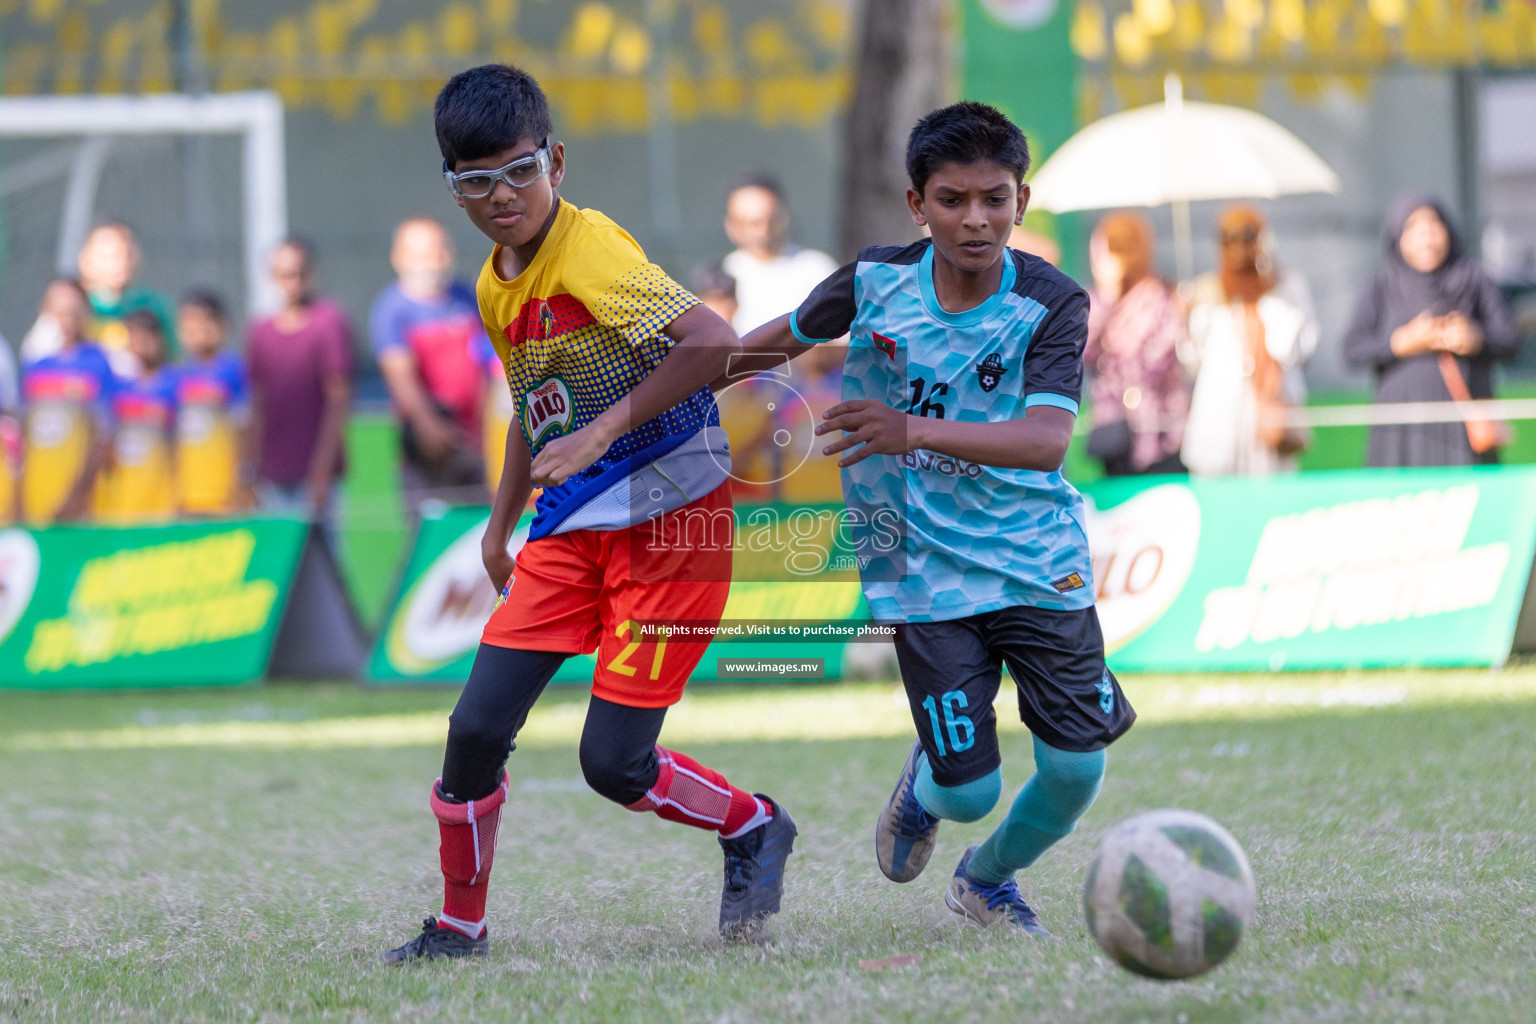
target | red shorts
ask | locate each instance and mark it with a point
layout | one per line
(587, 590)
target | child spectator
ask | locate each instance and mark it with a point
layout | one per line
(139, 486)
(213, 414)
(108, 264)
(67, 434)
(714, 287)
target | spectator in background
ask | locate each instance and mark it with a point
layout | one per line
(425, 328)
(716, 288)
(300, 366)
(1251, 328)
(1430, 325)
(67, 434)
(108, 264)
(772, 276)
(213, 471)
(1140, 394)
(139, 485)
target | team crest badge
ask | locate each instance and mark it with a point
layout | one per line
(990, 371)
(547, 411)
(886, 345)
(546, 320)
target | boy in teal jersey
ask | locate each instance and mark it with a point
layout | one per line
(960, 393)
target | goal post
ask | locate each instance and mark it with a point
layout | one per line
(257, 117)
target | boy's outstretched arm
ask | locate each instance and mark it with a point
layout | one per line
(1038, 441)
(765, 348)
(703, 350)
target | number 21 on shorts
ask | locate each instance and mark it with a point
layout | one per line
(959, 728)
(631, 629)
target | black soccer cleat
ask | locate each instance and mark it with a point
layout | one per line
(437, 943)
(754, 875)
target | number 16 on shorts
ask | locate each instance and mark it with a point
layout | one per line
(948, 723)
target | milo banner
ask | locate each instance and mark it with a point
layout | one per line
(1318, 570)
(204, 604)
(433, 630)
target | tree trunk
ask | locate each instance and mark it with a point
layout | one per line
(901, 71)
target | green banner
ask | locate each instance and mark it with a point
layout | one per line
(1312, 571)
(1319, 570)
(434, 626)
(181, 605)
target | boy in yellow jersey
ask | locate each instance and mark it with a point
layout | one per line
(212, 412)
(610, 363)
(139, 487)
(67, 432)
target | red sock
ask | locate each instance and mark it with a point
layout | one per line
(690, 794)
(468, 833)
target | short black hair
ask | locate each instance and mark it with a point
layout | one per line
(487, 109)
(70, 282)
(757, 179)
(963, 133)
(145, 320)
(713, 279)
(206, 300)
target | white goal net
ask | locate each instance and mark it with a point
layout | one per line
(199, 179)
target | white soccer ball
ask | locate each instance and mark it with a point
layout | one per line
(1169, 894)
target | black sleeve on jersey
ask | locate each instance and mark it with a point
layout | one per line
(829, 310)
(1053, 363)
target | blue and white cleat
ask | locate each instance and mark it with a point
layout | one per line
(906, 832)
(986, 905)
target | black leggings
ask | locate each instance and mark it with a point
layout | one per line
(618, 743)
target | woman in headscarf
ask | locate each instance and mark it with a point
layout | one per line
(1251, 328)
(1431, 325)
(1140, 394)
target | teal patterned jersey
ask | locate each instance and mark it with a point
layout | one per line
(951, 538)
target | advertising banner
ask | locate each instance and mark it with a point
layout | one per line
(1310, 571)
(153, 606)
(1320, 570)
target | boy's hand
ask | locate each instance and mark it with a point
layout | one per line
(880, 429)
(498, 563)
(564, 457)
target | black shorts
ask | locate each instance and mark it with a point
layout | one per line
(952, 670)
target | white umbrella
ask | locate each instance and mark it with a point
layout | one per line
(1177, 152)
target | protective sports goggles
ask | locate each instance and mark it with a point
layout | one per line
(519, 173)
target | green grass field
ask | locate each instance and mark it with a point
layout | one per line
(245, 855)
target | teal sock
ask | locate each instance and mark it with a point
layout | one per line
(1063, 787)
(969, 801)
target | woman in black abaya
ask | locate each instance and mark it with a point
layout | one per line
(1431, 325)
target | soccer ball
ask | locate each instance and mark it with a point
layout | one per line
(1169, 894)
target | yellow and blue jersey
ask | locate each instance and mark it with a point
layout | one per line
(575, 332)
(67, 397)
(140, 485)
(212, 404)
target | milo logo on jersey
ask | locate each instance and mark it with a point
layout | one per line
(547, 411)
